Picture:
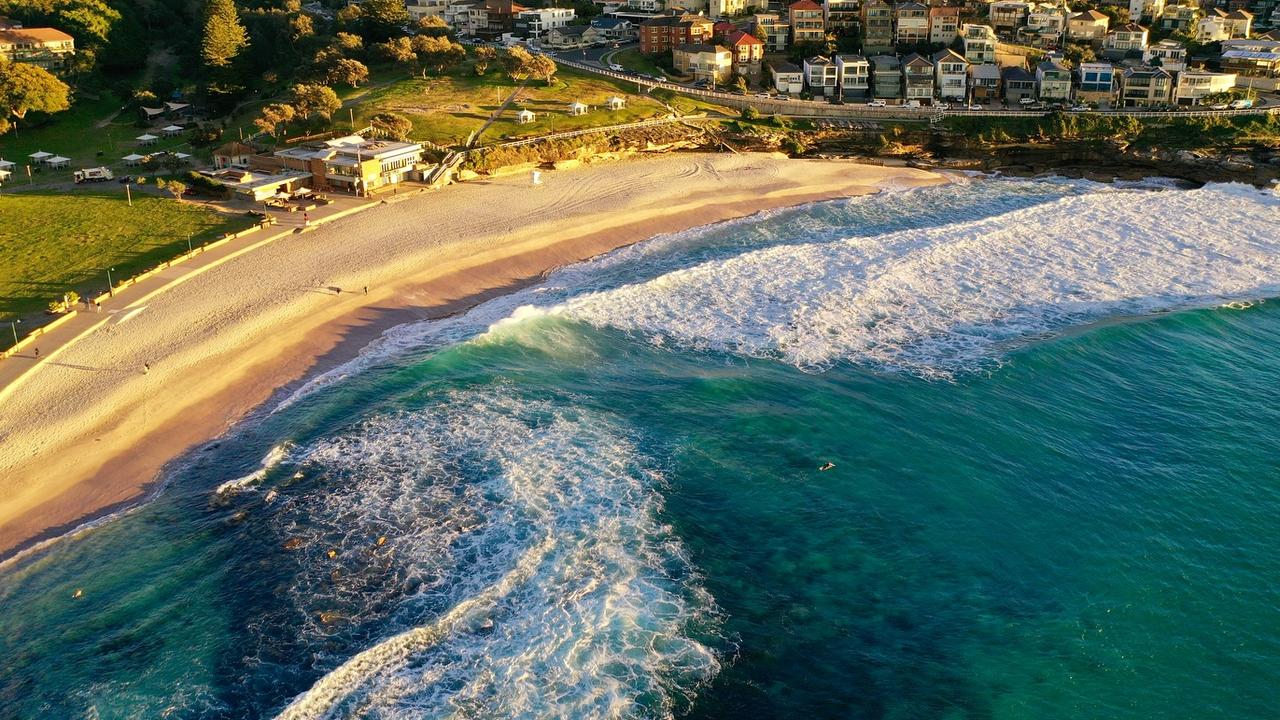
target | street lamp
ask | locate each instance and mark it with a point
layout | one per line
(14, 326)
(111, 286)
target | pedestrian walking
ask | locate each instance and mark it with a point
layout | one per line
(306, 218)
(37, 353)
(146, 368)
(366, 289)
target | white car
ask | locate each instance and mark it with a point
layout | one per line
(616, 67)
(1219, 106)
(877, 103)
(975, 107)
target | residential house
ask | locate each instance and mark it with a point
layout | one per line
(727, 8)
(886, 77)
(662, 33)
(979, 43)
(944, 24)
(1124, 40)
(1045, 26)
(1096, 83)
(352, 163)
(985, 82)
(917, 79)
(500, 16)
(1053, 81)
(821, 76)
(854, 74)
(842, 15)
(568, 37)
(1179, 18)
(713, 63)
(911, 23)
(1089, 26)
(1255, 59)
(1145, 10)
(807, 25)
(1239, 23)
(419, 9)
(877, 27)
(1145, 87)
(1192, 86)
(537, 23)
(232, 155)
(776, 32)
(614, 29)
(1168, 54)
(1008, 15)
(1212, 29)
(748, 51)
(1017, 84)
(787, 78)
(950, 75)
(45, 47)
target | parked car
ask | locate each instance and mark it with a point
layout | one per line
(975, 106)
(912, 104)
(835, 100)
(1241, 104)
(1219, 106)
(877, 103)
(616, 67)
(1027, 101)
(1080, 108)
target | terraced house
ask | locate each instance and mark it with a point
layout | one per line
(1096, 83)
(1053, 81)
(1089, 26)
(944, 25)
(950, 72)
(912, 20)
(979, 43)
(877, 27)
(1145, 87)
(807, 25)
(664, 33)
(917, 79)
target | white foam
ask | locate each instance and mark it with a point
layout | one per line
(525, 564)
(240, 484)
(949, 298)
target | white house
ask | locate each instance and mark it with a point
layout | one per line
(853, 74)
(1192, 86)
(1168, 54)
(787, 78)
(979, 43)
(950, 73)
(821, 75)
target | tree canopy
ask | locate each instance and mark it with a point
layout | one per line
(310, 99)
(25, 87)
(224, 35)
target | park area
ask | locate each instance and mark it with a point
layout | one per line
(447, 109)
(54, 243)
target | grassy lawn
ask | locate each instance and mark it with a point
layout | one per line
(447, 109)
(74, 134)
(632, 60)
(52, 243)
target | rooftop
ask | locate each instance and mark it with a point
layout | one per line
(34, 35)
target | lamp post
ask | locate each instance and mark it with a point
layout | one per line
(13, 325)
(189, 250)
(111, 286)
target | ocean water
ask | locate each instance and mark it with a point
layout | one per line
(1051, 407)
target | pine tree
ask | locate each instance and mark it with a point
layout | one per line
(224, 36)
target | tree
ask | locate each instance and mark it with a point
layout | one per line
(759, 32)
(25, 87)
(274, 117)
(176, 188)
(348, 72)
(383, 19)
(349, 17)
(301, 26)
(740, 84)
(399, 51)
(485, 54)
(347, 42)
(750, 113)
(437, 53)
(432, 26)
(390, 125)
(1076, 53)
(224, 35)
(311, 99)
(518, 63)
(543, 67)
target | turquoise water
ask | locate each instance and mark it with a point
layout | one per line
(1050, 405)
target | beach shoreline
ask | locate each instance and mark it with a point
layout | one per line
(99, 434)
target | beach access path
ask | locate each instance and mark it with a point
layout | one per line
(185, 354)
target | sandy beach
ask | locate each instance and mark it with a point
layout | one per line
(89, 431)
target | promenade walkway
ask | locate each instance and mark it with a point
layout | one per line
(131, 297)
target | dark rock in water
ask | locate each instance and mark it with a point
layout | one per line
(292, 544)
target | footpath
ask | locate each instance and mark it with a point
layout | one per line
(48, 341)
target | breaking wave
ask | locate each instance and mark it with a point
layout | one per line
(516, 552)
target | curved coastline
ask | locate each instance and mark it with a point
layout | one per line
(87, 437)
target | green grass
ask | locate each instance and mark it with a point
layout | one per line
(633, 60)
(445, 110)
(74, 134)
(55, 243)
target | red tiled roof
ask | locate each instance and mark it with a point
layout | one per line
(743, 38)
(804, 5)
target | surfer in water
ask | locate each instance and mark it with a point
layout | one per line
(826, 466)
